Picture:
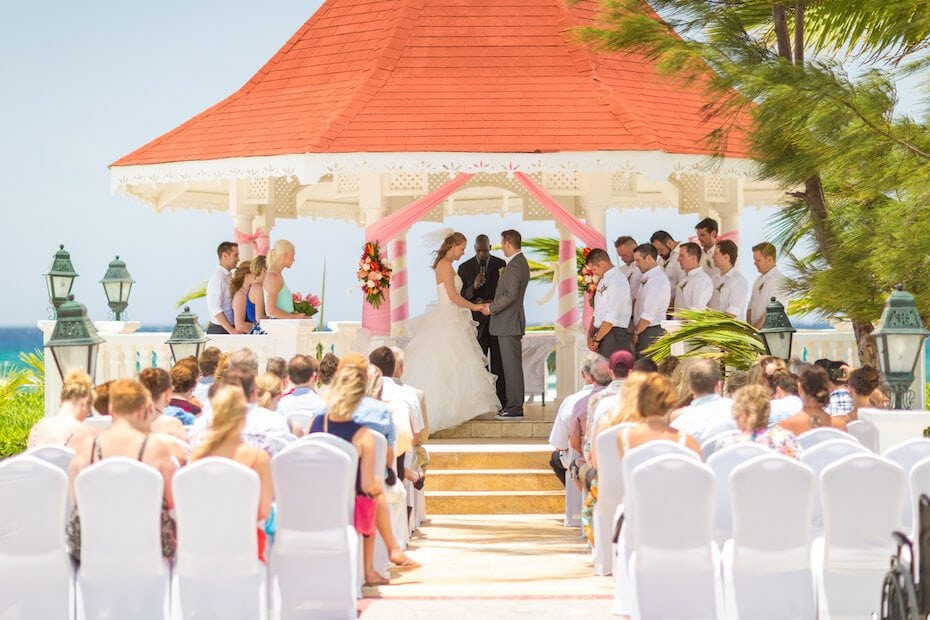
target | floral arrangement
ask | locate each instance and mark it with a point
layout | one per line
(374, 276)
(587, 279)
(308, 304)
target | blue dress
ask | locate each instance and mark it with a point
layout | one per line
(250, 317)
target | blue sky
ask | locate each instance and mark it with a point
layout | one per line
(83, 83)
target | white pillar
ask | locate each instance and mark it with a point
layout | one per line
(595, 200)
(567, 328)
(242, 214)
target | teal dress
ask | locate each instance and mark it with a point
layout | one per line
(285, 299)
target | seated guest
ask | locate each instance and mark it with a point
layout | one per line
(814, 390)
(654, 401)
(131, 409)
(348, 390)
(207, 362)
(558, 436)
(786, 402)
(183, 381)
(679, 378)
(863, 383)
(263, 428)
(420, 456)
(841, 402)
(709, 414)
(225, 440)
(77, 399)
(645, 364)
(763, 369)
(404, 404)
(751, 411)
(268, 390)
(734, 381)
(158, 382)
(304, 399)
(578, 422)
(328, 366)
(278, 367)
(239, 286)
(608, 399)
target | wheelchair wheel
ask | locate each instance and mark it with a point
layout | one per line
(899, 598)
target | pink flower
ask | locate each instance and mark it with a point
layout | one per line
(313, 300)
(374, 276)
(296, 297)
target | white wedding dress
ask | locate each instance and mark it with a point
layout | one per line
(444, 360)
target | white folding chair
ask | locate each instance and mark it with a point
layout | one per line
(314, 560)
(710, 446)
(907, 454)
(218, 573)
(722, 463)
(99, 422)
(918, 484)
(36, 574)
(397, 505)
(122, 572)
(671, 554)
(574, 502)
(769, 555)
(609, 496)
(866, 432)
(862, 496)
(809, 439)
(818, 458)
(331, 440)
(59, 456)
(302, 419)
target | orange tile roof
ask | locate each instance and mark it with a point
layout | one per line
(496, 76)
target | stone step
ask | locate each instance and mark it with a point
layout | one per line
(494, 502)
(493, 480)
(528, 428)
(510, 455)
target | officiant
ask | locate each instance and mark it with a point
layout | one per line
(479, 283)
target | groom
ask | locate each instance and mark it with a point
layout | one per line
(508, 321)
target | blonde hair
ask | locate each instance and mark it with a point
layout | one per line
(268, 386)
(281, 247)
(258, 263)
(238, 278)
(77, 385)
(753, 400)
(764, 369)
(229, 409)
(345, 392)
(679, 379)
(628, 408)
(375, 382)
(656, 396)
(447, 244)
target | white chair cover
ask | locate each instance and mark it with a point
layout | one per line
(866, 432)
(59, 456)
(862, 496)
(313, 563)
(767, 562)
(99, 422)
(814, 436)
(671, 554)
(573, 500)
(302, 419)
(609, 496)
(710, 446)
(122, 572)
(397, 504)
(918, 484)
(907, 454)
(818, 458)
(217, 572)
(36, 576)
(722, 463)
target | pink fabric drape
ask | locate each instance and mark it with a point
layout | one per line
(378, 320)
(568, 285)
(588, 235)
(259, 240)
(386, 229)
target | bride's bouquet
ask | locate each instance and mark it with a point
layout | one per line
(374, 276)
(308, 304)
(587, 279)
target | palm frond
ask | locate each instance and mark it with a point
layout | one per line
(12, 382)
(198, 291)
(712, 334)
(34, 362)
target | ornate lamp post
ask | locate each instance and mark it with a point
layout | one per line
(117, 283)
(900, 342)
(187, 338)
(60, 278)
(777, 331)
(74, 340)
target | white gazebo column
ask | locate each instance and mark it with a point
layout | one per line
(400, 307)
(373, 205)
(595, 200)
(243, 214)
(566, 324)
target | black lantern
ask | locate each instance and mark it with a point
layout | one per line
(900, 342)
(74, 340)
(777, 331)
(187, 338)
(116, 284)
(60, 278)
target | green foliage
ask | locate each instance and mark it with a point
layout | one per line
(198, 291)
(712, 334)
(17, 417)
(35, 366)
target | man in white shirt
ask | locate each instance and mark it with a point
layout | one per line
(695, 289)
(612, 306)
(668, 251)
(707, 231)
(393, 390)
(302, 372)
(652, 301)
(770, 283)
(709, 414)
(786, 401)
(732, 290)
(207, 362)
(219, 298)
(558, 436)
(625, 246)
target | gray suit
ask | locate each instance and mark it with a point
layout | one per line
(508, 323)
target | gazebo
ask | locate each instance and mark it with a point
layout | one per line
(386, 112)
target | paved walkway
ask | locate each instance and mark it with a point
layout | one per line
(495, 566)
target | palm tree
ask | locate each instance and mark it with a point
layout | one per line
(712, 334)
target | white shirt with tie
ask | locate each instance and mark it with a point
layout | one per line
(612, 301)
(767, 285)
(731, 294)
(653, 299)
(695, 290)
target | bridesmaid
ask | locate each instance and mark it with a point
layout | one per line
(255, 295)
(279, 303)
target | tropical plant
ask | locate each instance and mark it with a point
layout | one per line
(18, 415)
(711, 334)
(547, 248)
(198, 291)
(35, 365)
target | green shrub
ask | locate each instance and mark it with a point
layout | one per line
(17, 416)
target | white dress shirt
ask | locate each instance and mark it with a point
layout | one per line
(219, 299)
(507, 259)
(731, 294)
(558, 436)
(707, 263)
(302, 400)
(767, 285)
(633, 277)
(694, 291)
(653, 299)
(673, 270)
(612, 300)
(706, 417)
(784, 408)
(392, 390)
(266, 429)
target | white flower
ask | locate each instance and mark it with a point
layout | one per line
(367, 259)
(370, 284)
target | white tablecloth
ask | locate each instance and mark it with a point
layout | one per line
(536, 348)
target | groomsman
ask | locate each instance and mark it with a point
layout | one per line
(219, 297)
(652, 301)
(770, 283)
(732, 290)
(480, 275)
(612, 306)
(667, 249)
(695, 289)
(707, 231)
(625, 246)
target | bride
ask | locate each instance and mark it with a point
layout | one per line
(443, 358)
